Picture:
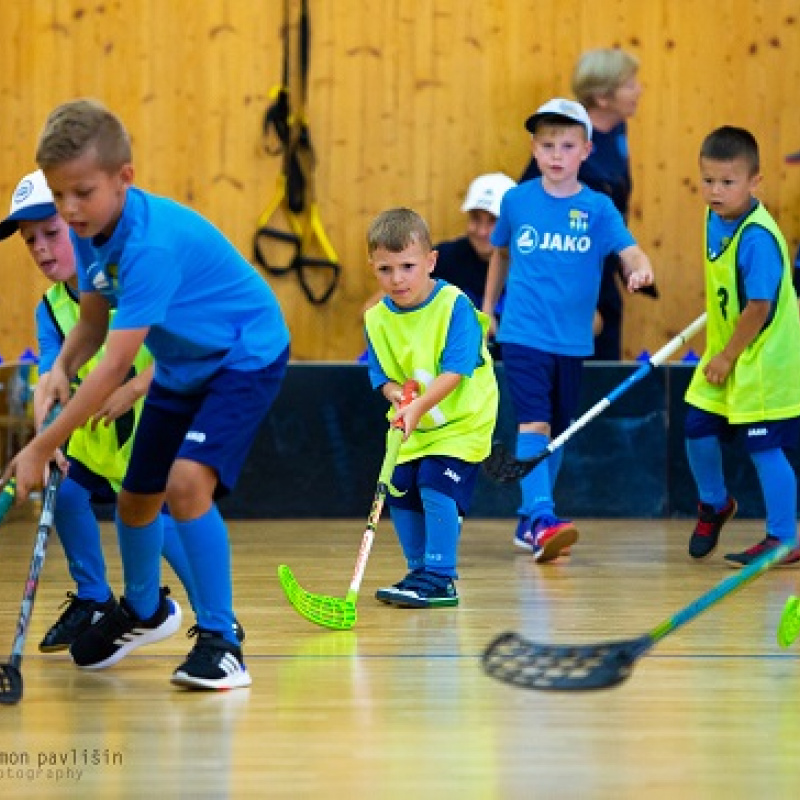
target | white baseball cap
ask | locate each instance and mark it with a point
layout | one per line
(486, 192)
(559, 107)
(32, 200)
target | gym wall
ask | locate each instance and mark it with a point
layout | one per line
(406, 103)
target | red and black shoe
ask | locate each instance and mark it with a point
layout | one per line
(755, 552)
(705, 536)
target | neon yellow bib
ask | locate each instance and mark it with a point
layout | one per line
(410, 345)
(764, 384)
(105, 450)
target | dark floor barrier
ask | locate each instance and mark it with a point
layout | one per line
(319, 451)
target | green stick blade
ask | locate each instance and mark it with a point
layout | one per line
(789, 625)
(329, 612)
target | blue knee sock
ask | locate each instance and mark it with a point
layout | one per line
(442, 531)
(705, 461)
(140, 549)
(175, 556)
(410, 528)
(779, 485)
(537, 495)
(79, 533)
(205, 542)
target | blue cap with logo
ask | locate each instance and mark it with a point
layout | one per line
(32, 200)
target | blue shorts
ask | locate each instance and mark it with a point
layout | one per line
(215, 427)
(450, 476)
(759, 436)
(544, 387)
(101, 490)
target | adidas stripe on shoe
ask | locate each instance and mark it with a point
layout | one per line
(121, 631)
(79, 616)
(213, 663)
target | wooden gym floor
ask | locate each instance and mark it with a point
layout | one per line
(399, 707)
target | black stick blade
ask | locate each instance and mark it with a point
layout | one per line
(512, 659)
(10, 684)
(502, 467)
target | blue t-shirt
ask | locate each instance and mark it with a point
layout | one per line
(169, 269)
(556, 250)
(759, 259)
(462, 349)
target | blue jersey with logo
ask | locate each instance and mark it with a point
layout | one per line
(556, 250)
(169, 269)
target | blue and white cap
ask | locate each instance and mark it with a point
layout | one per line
(32, 200)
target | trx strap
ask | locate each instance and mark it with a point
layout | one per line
(294, 194)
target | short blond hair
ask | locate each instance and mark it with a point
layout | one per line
(600, 72)
(78, 126)
(397, 228)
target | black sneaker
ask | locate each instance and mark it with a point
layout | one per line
(120, 631)
(79, 615)
(238, 630)
(709, 524)
(420, 589)
(213, 663)
(386, 593)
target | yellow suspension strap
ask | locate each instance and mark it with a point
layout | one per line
(286, 133)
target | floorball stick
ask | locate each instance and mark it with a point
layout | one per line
(501, 466)
(515, 660)
(335, 612)
(11, 673)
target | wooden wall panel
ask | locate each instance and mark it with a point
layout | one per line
(407, 102)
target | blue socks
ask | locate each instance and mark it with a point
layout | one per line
(536, 486)
(79, 533)
(705, 461)
(410, 528)
(430, 540)
(175, 556)
(775, 474)
(779, 485)
(442, 532)
(77, 528)
(140, 549)
(205, 542)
